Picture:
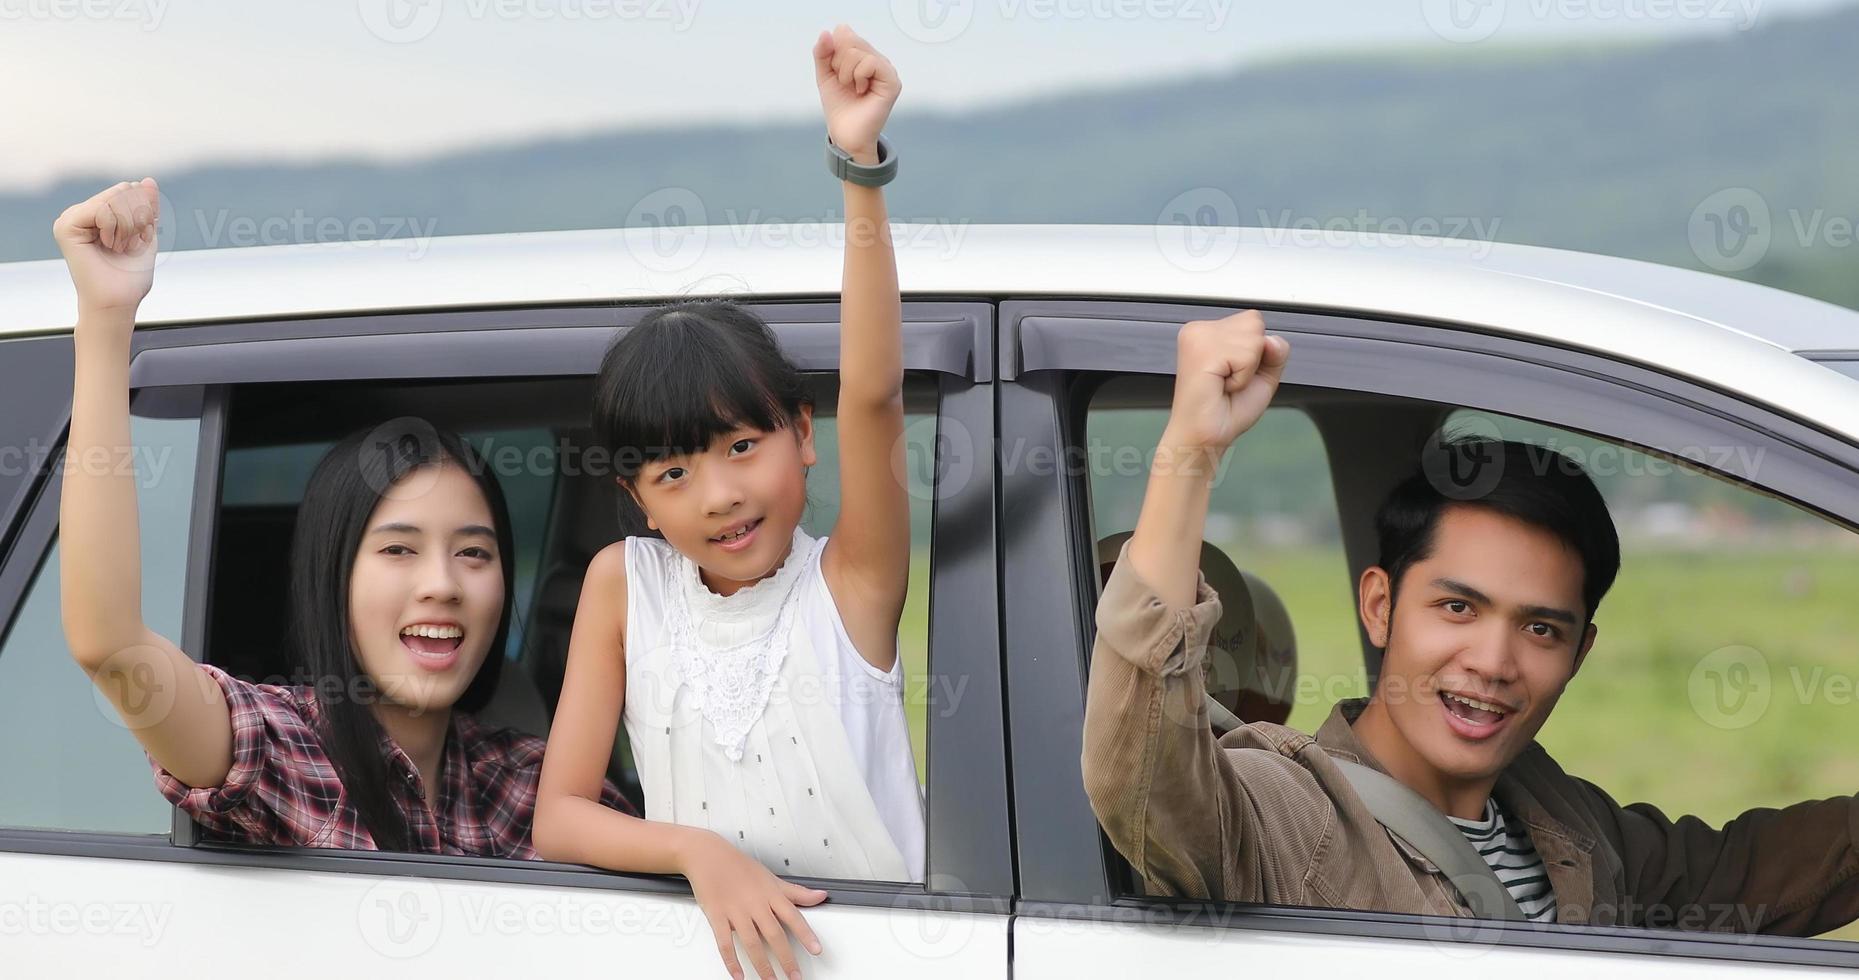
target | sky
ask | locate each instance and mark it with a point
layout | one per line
(101, 86)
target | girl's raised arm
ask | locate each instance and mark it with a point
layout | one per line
(867, 561)
(174, 709)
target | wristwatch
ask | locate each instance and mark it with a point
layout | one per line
(842, 166)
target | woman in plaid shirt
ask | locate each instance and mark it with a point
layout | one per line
(399, 609)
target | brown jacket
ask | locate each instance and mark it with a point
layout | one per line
(1264, 815)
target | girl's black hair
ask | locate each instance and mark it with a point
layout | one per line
(347, 485)
(686, 374)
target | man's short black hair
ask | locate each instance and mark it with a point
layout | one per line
(1533, 484)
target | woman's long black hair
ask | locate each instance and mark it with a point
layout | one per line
(684, 375)
(347, 485)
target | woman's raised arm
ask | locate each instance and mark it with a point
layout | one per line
(174, 709)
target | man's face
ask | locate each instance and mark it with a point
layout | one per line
(1480, 641)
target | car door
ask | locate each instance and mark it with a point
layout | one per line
(101, 875)
(1368, 387)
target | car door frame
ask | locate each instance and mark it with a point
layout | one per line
(969, 833)
(1068, 870)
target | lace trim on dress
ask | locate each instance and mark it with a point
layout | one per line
(728, 650)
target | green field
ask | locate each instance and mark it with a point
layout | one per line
(1628, 721)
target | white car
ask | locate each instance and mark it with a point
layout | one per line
(251, 361)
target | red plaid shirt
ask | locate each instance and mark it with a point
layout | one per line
(283, 790)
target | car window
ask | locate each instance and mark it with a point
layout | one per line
(73, 764)
(534, 435)
(1725, 647)
(1273, 513)
(823, 509)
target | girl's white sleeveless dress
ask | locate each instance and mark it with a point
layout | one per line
(753, 715)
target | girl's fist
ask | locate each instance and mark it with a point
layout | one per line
(108, 243)
(858, 87)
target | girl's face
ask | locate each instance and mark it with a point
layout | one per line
(733, 507)
(426, 592)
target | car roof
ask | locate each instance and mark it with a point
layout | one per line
(1723, 332)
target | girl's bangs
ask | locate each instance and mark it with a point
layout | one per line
(687, 405)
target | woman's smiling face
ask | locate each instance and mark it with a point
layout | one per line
(426, 591)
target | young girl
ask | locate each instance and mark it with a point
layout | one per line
(399, 610)
(756, 667)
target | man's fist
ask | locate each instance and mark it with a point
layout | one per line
(109, 245)
(858, 87)
(1226, 372)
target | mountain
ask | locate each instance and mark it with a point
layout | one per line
(1609, 149)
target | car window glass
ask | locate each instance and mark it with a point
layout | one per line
(73, 765)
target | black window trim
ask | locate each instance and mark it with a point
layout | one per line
(940, 336)
(1066, 870)
(37, 372)
(970, 859)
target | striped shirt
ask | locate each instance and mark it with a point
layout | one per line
(1507, 849)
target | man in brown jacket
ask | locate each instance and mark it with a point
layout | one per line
(1483, 606)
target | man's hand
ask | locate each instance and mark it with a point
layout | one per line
(1226, 373)
(109, 245)
(858, 87)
